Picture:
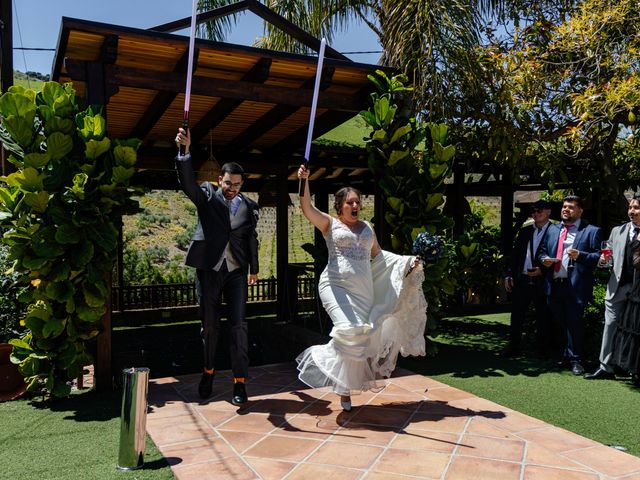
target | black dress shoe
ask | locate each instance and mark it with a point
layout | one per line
(510, 351)
(576, 368)
(206, 385)
(600, 374)
(239, 394)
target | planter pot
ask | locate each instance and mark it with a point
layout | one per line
(11, 382)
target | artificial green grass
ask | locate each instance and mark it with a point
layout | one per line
(603, 410)
(73, 438)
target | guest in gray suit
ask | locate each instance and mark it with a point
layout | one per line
(224, 250)
(619, 286)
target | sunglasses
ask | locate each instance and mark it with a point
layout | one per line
(536, 210)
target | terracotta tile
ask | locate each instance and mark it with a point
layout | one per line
(306, 427)
(276, 406)
(366, 434)
(308, 471)
(541, 456)
(273, 378)
(533, 472)
(253, 422)
(163, 381)
(177, 429)
(557, 439)
(345, 455)
(169, 409)
(425, 421)
(226, 469)
(380, 416)
(468, 468)
(384, 476)
(412, 462)
(447, 394)
(489, 447)
(444, 409)
(410, 401)
(197, 451)
(399, 389)
(241, 441)
(215, 417)
(270, 469)
(514, 421)
(607, 460)
(423, 440)
(283, 448)
(281, 367)
(478, 426)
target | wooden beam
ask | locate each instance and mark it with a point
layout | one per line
(120, 76)
(162, 100)
(276, 115)
(259, 73)
(262, 11)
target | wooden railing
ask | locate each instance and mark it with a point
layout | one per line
(148, 297)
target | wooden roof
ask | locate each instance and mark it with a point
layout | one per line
(248, 104)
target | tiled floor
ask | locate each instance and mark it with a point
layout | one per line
(414, 428)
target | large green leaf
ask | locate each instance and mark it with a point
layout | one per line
(439, 133)
(28, 180)
(29, 367)
(60, 291)
(89, 314)
(59, 145)
(399, 133)
(124, 156)
(37, 160)
(67, 234)
(105, 235)
(57, 124)
(37, 201)
(443, 154)
(54, 327)
(434, 200)
(397, 155)
(93, 127)
(95, 148)
(436, 170)
(82, 254)
(122, 175)
(18, 105)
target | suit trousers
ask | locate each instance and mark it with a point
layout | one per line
(524, 294)
(570, 314)
(233, 285)
(613, 308)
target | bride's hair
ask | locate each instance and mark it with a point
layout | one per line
(340, 196)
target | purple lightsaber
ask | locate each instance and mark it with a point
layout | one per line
(312, 117)
(187, 90)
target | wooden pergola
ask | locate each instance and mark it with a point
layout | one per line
(249, 105)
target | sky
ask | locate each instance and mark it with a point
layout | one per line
(36, 24)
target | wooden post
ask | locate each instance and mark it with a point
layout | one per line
(282, 247)
(506, 217)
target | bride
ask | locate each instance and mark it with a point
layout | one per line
(377, 310)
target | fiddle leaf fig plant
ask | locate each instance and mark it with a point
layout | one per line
(411, 160)
(58, 213)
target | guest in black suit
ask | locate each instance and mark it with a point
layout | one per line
(569, 255)
(224, 250)
(525, 281)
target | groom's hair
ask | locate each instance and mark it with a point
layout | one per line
(574, 199)
(232, 168)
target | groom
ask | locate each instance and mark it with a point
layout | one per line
(224, 250)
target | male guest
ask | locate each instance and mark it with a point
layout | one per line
(570, 254)
(224, 250)
(619, 285)
(525, 281)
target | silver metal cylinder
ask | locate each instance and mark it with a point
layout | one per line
(133, 418)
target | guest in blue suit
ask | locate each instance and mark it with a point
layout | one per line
(570, 254)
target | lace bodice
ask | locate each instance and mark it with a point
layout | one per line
(349, 250)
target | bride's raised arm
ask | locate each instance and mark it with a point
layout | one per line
(320, 220)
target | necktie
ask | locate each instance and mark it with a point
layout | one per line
(635, 233)
(563, 236)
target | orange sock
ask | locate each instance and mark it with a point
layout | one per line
(238, 379)
(210, 371)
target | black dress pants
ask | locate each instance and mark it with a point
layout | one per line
(525, 293)
(234, 287)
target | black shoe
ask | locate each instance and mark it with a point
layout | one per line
(206, 385)
(635, 378)
(562, 363)
(576, 368)
(239, 394)
(510, 351)
(600, 374)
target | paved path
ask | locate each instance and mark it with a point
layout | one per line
(414, 428)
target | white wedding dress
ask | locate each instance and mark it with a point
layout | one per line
(377, 311)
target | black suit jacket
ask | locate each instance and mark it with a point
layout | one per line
(519, 252)
(214, 226)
